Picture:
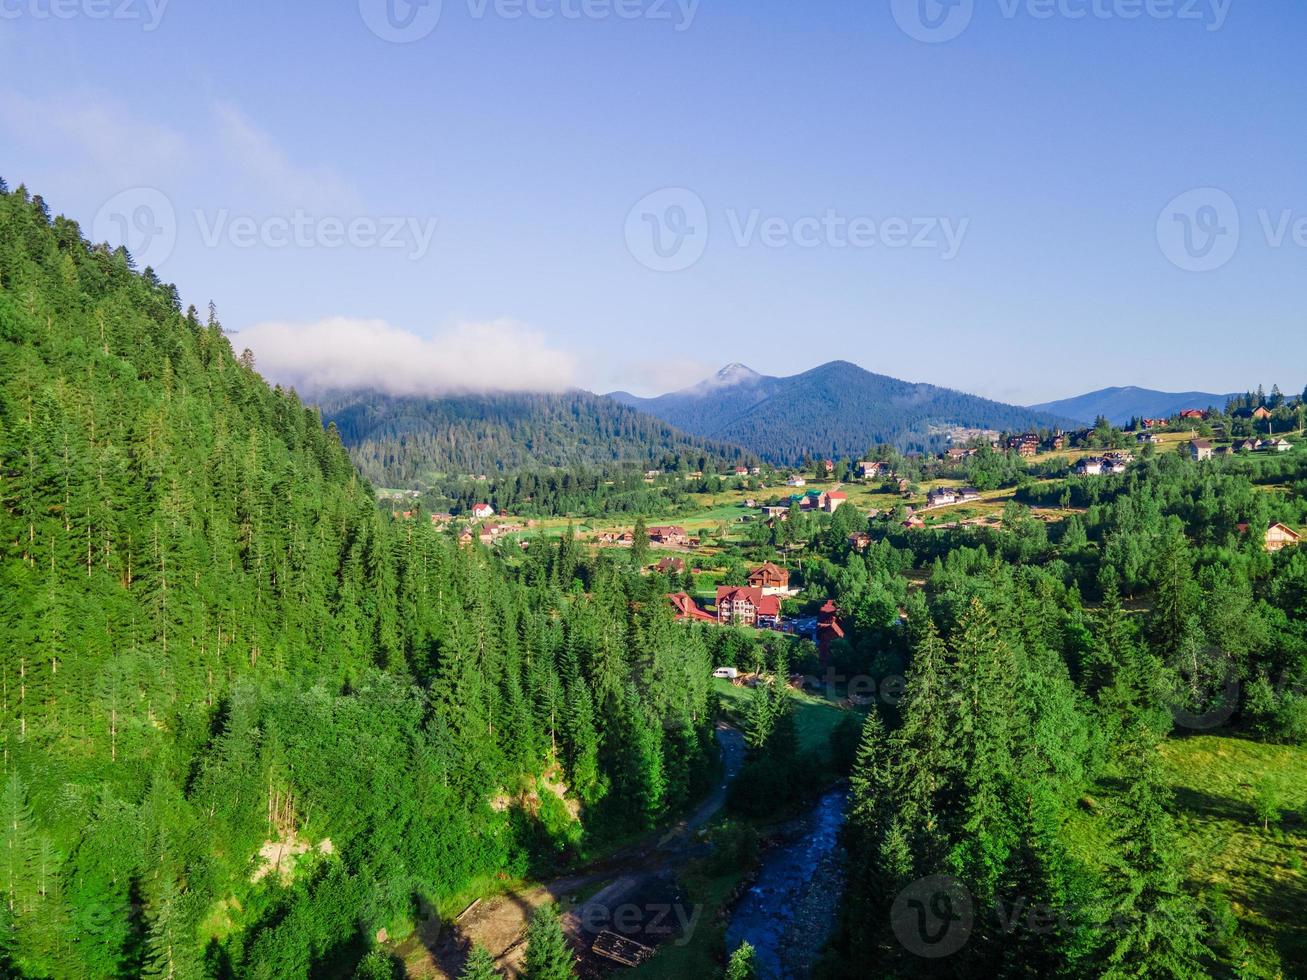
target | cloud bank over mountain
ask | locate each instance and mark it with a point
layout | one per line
(344, 354)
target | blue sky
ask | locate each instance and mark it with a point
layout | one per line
(1003, 212)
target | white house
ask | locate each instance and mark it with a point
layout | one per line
(480, 511)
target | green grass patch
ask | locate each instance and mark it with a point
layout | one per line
(1226, 847)
(815, 717)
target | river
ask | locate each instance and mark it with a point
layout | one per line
(789, 913)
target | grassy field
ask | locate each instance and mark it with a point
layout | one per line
(1227, 848)
(814, 717)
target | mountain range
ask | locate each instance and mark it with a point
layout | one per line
(835, 410)
(1120, 405)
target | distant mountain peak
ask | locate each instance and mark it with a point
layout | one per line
(734, 374)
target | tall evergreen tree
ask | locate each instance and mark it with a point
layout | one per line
(547, 955)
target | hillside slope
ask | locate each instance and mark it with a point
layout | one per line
(248, 722)
(406, 442)
(838, 409)
(1120, 405)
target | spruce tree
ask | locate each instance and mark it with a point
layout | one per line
(547, 955)
(1154, 928)
(480, 965)
(743, 964)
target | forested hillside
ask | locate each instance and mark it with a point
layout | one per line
(407, 442)
(836, 410)
(214, 644)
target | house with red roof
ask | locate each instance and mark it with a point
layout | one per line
(482, 510)
(687, 611)
(671, 537)
(834, 499)
(746, 606)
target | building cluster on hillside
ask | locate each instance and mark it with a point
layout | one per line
(947, 496)
(1201, 449)
(1106, 465)
(758, 605)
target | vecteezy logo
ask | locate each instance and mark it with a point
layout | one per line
(933, 21)
(143, 221)
(401, 21)
(1199, 230)
(667, 231)
(933, 917)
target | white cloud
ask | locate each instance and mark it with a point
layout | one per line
(348, 354)
(269, 169)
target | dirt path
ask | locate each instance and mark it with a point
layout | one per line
(636, 879)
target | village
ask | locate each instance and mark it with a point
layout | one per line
(910, 492)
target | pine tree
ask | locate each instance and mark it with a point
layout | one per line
(480, 965)
(743, 964)
(1154, 928)
(547, 955)
(640, 543)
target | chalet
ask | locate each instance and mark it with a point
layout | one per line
(1195, 414)
(1277, 446)
(438, 520)
(1261, 413)
(1156, 423)
(941, 497)
(741, 471)
(1058, 442)
(737, 606)
(1247, 446)
(1279, 537)
(833, 501)
(671, 565)
(859, 540)
(490, 533)
(1026, 444)
(1200, 449)
(796, 481)
(687, 611)
(771, 579)
(481, 511)
(669, 537)
(465, 536)
(870, 471)
(914, 521)
(1148, 437)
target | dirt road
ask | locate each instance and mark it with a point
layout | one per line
(637, 883)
